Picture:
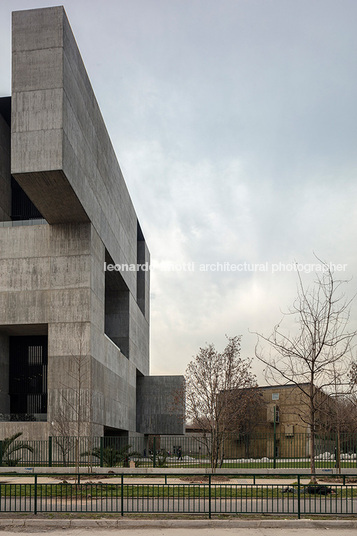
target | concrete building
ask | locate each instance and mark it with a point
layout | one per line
(74, 338)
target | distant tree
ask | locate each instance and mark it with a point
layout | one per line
(247, 407)
(308, 357)
(218, 385)
(341, 411)
(353, 376)
(345, 425)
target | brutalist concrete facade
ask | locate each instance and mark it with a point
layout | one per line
(53, 284)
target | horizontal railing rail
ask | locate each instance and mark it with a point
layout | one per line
(173, 494)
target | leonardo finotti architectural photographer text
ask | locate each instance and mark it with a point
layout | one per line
(226, 267)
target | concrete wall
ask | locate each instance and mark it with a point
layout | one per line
(158, 410)
(30, 430)
(62, 155)
(58, 121)
(51, 277)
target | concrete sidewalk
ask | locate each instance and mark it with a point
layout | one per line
(177, 527)
(85, 478)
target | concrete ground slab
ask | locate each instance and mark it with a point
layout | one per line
(177, 527)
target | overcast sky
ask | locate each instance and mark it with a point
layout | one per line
(235, 125)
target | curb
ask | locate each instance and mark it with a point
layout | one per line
(127, 524)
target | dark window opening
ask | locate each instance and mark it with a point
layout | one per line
(140, 274)
(116, 325)
(28, 374)
(5, 109)
(22, 207)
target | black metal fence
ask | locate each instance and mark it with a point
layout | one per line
(174, 494)
(263, 451)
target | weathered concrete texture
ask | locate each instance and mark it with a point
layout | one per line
(59, 281)
(145, 526)
(62, 129)
(57, 200)
(157, 405)
(30, 430)
(5, 177)
(114, 390)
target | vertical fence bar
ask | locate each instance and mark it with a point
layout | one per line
(274, 443)
(209, 496)
(50, 451)
(122, 494)
(299, 492)
(35, 497)
(101, 451)
(0, 453)
(154, 452)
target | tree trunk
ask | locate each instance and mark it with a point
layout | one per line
(338, 450)
(312, 455)
(312, 443)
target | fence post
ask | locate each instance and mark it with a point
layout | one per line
(101, 451)
(274, 445)
(299, 492)
(35, 497)
(154, 456)
(0, 453)
(50, 451)
(209, 497)
(122, 494)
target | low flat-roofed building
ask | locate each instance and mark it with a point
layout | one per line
(281, 422)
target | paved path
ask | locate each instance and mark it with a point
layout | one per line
(212, 529)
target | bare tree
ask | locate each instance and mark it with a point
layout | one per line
(246, 408)
(308, 357)
(342, 409)
(72, 417)
(212, 381)
(62, 433)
